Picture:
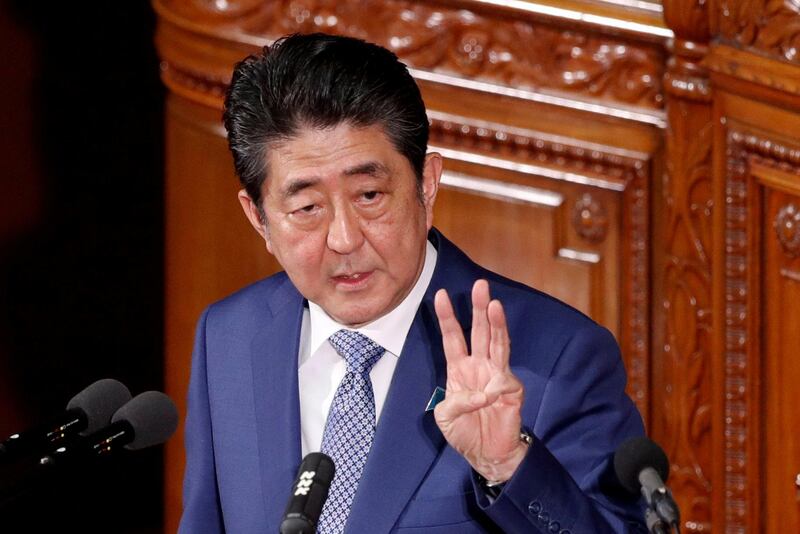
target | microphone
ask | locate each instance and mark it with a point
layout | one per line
(148, 419)
(86, 412)
(309, 492)
(642, 467)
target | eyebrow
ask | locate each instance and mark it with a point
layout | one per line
(296, 186)
(370, 168)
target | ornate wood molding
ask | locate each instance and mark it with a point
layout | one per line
(736, 335)
(194, 84)
(624, 171)
(638, 19)
(753, 68)
(603, 163)
(787, 229)
(771, 26)
(589, 219)
(443, 38)
(636, 276)
(687, 76)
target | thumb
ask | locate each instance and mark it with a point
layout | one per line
(459, 403)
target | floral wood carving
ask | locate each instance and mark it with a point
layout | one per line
(688, 204)
(589, 218)
(516, 53)
(513, 53)
(687, 401)
(536, 148)
(771, 26)
(787, 229)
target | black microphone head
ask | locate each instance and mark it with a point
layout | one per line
(98, 402)
(635, 455)
(153, 417)
(309, 492)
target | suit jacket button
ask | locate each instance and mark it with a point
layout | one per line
(555, 526)
(565, 531)
(535, 507)
(544, 517)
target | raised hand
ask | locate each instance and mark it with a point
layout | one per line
(480, 416)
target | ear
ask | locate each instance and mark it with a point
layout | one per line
(431, 175)
(253, 215)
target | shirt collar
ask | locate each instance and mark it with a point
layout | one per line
(389, 331)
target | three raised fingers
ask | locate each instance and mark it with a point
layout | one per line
(452, 337)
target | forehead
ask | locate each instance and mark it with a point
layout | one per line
(321, 153)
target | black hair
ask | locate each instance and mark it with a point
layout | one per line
(319, 81)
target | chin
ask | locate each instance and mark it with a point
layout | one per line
(355, 316)
(355, 320)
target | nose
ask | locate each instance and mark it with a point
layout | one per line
(344, 233)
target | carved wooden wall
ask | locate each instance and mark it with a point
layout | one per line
(599, 141)
(682, 420)
(736, 65)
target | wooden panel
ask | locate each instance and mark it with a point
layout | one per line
(211, 251)
(780, 238)
(760, 167)
(522, 239)
(737, 394)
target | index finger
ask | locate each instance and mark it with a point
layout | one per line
(455, 347)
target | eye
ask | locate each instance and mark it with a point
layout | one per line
(370, 195)
(310, 208)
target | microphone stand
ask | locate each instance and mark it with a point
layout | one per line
(662, 514)
(654, 523)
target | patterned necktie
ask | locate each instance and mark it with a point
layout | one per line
(350, 426)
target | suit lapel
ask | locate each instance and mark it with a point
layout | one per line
(407, 440)
(275, 350)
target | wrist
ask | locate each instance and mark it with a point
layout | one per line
(497, 473)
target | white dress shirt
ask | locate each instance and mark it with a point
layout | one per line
(321, 369)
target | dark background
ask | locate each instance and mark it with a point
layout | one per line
(81, 237)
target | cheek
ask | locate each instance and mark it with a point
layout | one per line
(396, 237)
(296, 250)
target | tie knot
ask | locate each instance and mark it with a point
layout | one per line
(359, 351)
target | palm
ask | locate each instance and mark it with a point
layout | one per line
(480, 416)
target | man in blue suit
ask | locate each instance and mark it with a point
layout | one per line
(342, 351)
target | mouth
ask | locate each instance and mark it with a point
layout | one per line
(351, 280)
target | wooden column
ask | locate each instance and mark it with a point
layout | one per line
(682, 359)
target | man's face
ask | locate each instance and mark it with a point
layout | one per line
(345, 220)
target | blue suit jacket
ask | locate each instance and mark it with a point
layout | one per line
(243, 424)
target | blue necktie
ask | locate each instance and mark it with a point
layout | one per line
(350, 426)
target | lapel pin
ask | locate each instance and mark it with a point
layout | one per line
(436, 398)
